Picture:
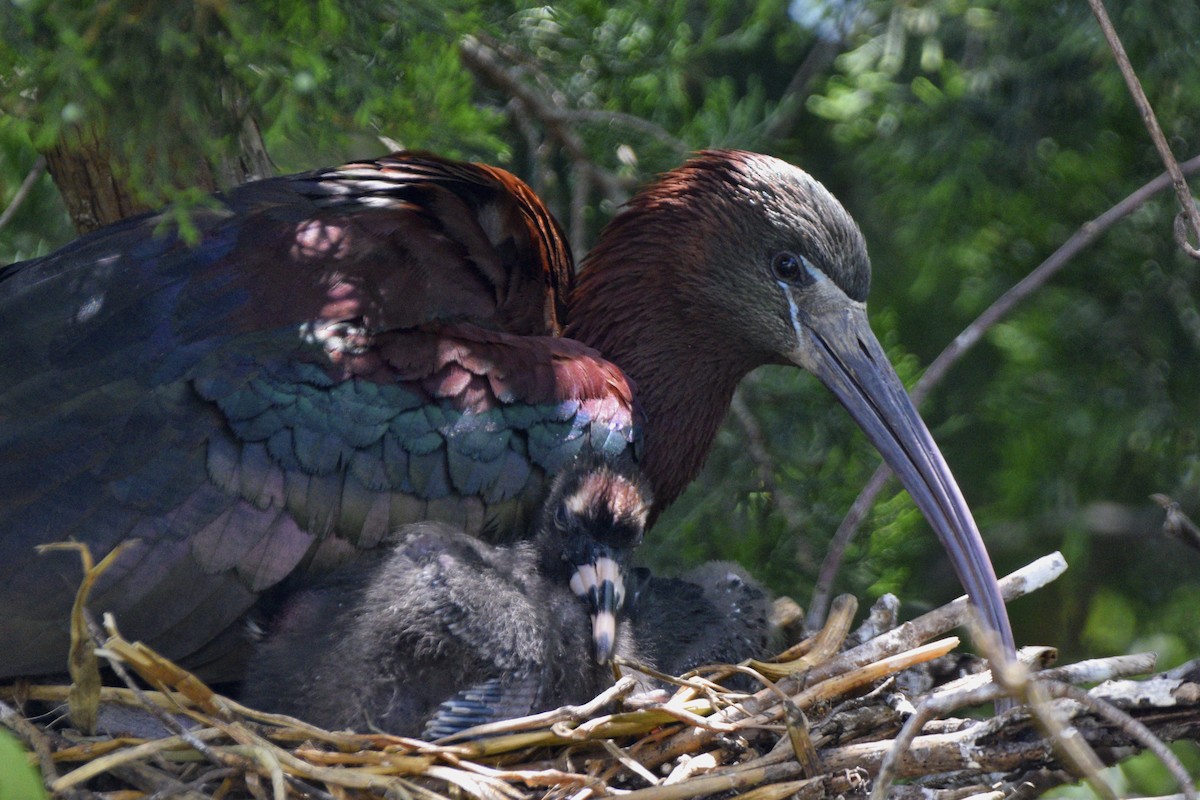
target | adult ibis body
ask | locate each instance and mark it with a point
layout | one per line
(334, 354)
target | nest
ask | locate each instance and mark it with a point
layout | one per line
(840, 714)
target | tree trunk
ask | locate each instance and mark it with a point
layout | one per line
(86, 169)
(81, 164)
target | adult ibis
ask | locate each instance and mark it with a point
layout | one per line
(329, 355)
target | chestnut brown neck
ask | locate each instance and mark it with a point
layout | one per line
(626, 304)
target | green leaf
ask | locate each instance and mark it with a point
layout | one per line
(19, 780)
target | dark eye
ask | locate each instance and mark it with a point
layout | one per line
(790, 268)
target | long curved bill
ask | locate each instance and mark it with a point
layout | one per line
(600, 583)
(842, 351)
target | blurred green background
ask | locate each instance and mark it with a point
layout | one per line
(970, 139)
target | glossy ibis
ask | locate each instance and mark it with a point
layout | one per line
(713, 614)
(448, 630)
(347, 350)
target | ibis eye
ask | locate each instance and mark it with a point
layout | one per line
(562, 517)
(790, 268)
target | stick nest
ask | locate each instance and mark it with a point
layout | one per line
(839, 714)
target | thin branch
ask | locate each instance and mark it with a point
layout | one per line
(1133, 729)
(35, 172)
(581, 190)
(32, 737)
(164, 717)
(1087, 233)
(1182, 192)
(781, 121)
(485, 62)
(970, 336)
(633, 121)
(832, 563)
(756, 448)
(1176, 524)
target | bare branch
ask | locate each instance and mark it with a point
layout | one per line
(485, 62)
(791, 102)
(832, 563)
(1131, 728)
(35, 172)
(970, 336)
(756, 448)
(1177, 524)
(1182, 192)
(630, 121)
(33, 738)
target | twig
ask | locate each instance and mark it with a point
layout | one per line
(158, 711)
(565, 714)
(159, 782)
(35, 172)
(1015, 679)
(629, 763)
(756, 448)
(33, 739)
(630, 121)
(780, 121)
(970, 336)
(816, 649)
(832, 679)
(1177, 524)
(84, 668)
(1131, 728)
(818, 607)
(127, 756)
(484, 61)
(926, 711)
(1087, 233)
(853, 728)
(1182, 192)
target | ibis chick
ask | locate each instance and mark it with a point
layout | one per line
(442, 631)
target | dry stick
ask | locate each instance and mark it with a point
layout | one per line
(926, 711)
(903, 637)
(162, 784)
(817, 649)
(33, 738)
(1070, 744)
(1182, 192)
(127, 756)
(23, 190)
(1177, 524)
(765, 709)
(979, 747)
(1035, 691)
(970, 336)
(1132, 728)
(160, 712)
(983, 743)
(83, 702)
(1073, 749)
